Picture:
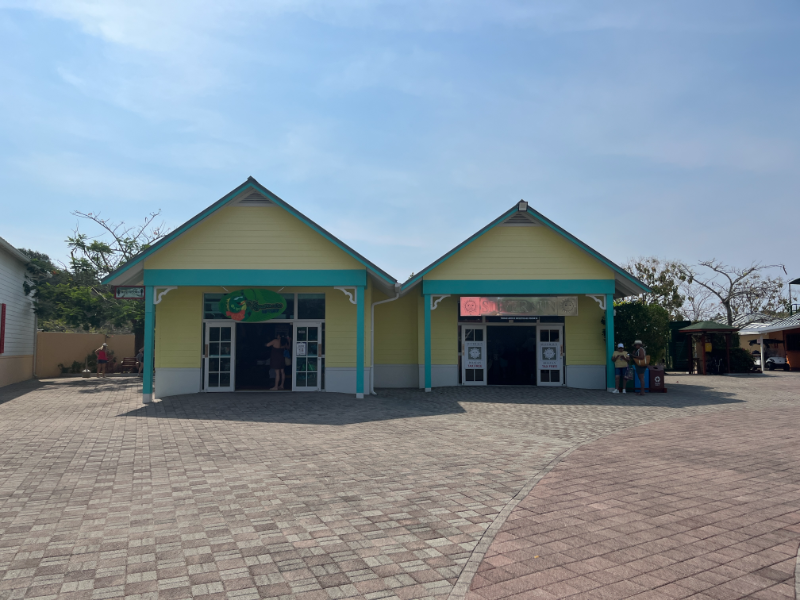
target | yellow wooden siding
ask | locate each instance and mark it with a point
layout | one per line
(521, 253)
(444, 332)
(251, 237)
(340, 330)
(583, 335)
(179, 329)
(396, 330)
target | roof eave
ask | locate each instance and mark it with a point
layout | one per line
(14, 252)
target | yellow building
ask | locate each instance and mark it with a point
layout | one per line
(251, 294)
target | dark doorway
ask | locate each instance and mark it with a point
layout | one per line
(512, 355)
(253, 371)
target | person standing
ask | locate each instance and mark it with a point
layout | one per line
(277, 361)
(102, 360)
(639, 363)
(621, 363)
(140, 361)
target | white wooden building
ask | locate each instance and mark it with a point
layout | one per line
(17, 319)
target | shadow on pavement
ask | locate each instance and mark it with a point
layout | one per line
(345, 409)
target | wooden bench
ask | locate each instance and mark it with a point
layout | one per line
(129, 365)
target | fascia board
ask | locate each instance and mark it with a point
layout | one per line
(14, 252)
(412, 281)
(589, 250)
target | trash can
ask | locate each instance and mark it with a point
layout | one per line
(657, 380)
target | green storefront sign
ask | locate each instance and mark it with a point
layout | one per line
(252, 306)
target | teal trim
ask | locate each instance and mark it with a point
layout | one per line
(617, 269)
(250, 184)
(255, 277)
(490, 287)
(463, 244)
(149, 344)
(360, 340)
(427, 300)
(610, 383)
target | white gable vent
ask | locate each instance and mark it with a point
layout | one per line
(519, 219)
(253, 198)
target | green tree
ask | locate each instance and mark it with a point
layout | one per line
(664, 277)
(71, 296)
(641, 321)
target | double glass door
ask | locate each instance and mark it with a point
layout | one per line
(309, 352)
(219, 351)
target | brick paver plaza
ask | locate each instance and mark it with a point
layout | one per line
(462, 492)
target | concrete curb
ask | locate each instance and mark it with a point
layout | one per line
(461, 588)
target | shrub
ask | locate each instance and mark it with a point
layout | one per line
(741, 360)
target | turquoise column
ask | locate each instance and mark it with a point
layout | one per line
(360, 342)
(427, 299)
(149, 344)
(609, 341)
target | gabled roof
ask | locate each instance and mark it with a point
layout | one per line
(792, 322)
(709, 327)
(627, 283)
(13, 251)
(251, 183)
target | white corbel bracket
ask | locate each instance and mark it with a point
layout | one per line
(160, 294)
(436, 299)
(350, 292)
(599, 298)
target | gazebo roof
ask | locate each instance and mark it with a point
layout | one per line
(708, 327)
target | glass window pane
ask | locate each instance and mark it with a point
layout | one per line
(289, 312)
(214, 334)
(312, 348)
(469, 336)
(213, 380)
(313, 334)
(312, 365)
(225, 349)
(213, 349)
(545, 376)
(544, 335)
(224, 380)
(554, 335)
(312, 380)
(213, 364)
(479, 336)
(322, 349)
(555, 376)
(224, 364)
(226, 334)
(211, 306)
(301, 380)
(301, 364)
(470, 374)
(478, 374)
(311, 306)
(302, 334)
(322, 372)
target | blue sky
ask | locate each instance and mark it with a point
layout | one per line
(643, 128)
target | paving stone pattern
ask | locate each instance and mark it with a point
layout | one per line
(287, 495)
(706, 507)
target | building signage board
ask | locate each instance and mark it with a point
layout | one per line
(519, 306)
(252, 306)
(301, 348)
(474, 355)
(129, 292)
(549, 358)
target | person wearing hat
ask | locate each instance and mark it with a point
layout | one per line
(621, 363)
(639, 353)
(102, 360)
